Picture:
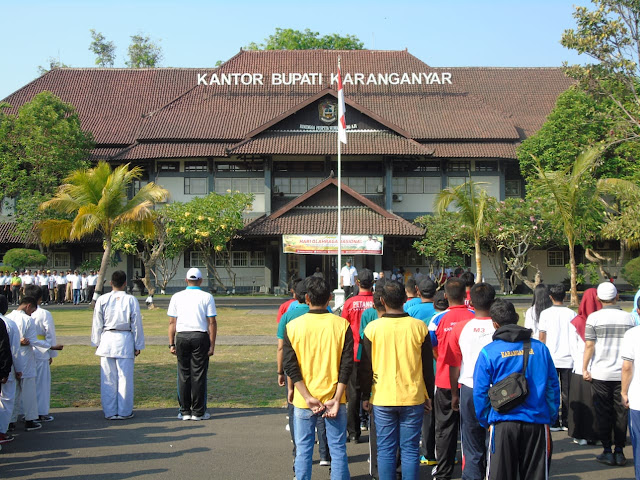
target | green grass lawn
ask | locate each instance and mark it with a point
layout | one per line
(238, 377)
(231, 321)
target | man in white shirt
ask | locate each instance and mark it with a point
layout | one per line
(26, 396)
(76, 285)
(84, 285)
(192, 338)
(117, 332)
(51, 284)
(556, 332)
(61, 285)
(631, 387)
(603, 336)
(92, 280)
(348, 275)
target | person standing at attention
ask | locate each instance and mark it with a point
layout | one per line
(348, 275)
(556, 332)
(631, 387)
(603, 335)
(117, 333)
(541, 301)
(192, 338)
(318, 357)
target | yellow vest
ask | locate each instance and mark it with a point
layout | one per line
(396, 361)
(318, 340)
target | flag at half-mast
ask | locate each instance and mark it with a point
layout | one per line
(342, 123)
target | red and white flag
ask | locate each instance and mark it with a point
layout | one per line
(342, 123)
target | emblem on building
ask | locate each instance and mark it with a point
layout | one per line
(328, 111)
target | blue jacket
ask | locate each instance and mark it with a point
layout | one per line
(501, 358)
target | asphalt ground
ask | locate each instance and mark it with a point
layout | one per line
(234, 444)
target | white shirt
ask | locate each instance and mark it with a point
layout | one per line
(348, 275)
(92, 280)
(606, 328)
(61, 280)
(45, 330)
(530, 323)
(27, 329)
(3, 280)
(191, 307)
(27, 280)
(117, 325)
(84, 281)
(630, 351)
(14, 342)
(476, 334)
(74, 280)
(556, 322)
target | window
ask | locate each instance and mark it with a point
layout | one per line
(456, 181)
(195, 166)
(359, 184)
(313, 181)
(486, 166)
(372, 184)
(222, 258)
(399, 185)
(256, 185)
(513, 188)
(303, 166)
(428, 167)
(556, 258)
(281, 185)
(197, 259)
(61, 260)
(195, 186)
(250, 166)
(298, 184)
(240, 259)
(222, 185)
(257, 259)
(414, 185)
(432, 184)
(458, 166)
(137, 185)
(168, 166)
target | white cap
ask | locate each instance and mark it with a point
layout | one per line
(607, 291)
(194, 274)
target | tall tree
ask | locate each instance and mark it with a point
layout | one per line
(98, 199)
(573, 194)
(471, 201)
(610, 35)
(143, 53)
(39, 147)
(104, 50)
(290, 39)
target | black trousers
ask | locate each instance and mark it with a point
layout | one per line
(610, 413)
(353, 403)
(45, 293)
(192, 350)
(428, 447)
(564, 375)
(90, 291)
(519, 448)
(348, 290)
(447, 424)
(473, 438)
(61, 293)
(15, 295)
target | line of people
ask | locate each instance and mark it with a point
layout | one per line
(27, 348)
(59, 288)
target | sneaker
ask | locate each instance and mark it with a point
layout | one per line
(353, 439)
(125, 417)
(564, 429)
(427, 461)
(607, 458)
(4, 438)
(11, 428)
(182, 416)
(580, 441)
(364, 427)
(620, 459)
(325, 463)
(556, 428)
(206, 416)
(287, 428)
(30, 425)
(112, 417)
(45, 418)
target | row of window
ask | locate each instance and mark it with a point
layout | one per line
(238, 259)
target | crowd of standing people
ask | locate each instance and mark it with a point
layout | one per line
(56, 287)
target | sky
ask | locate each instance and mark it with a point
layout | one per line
(442, 33)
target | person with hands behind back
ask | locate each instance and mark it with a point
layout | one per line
(318, 357)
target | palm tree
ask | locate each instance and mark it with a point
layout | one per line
(571, 191)
(471, 201)
(98, 199)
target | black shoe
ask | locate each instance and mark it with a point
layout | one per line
(621, 460)
(606, 458)
(30, 425)
(12, 427)
(353, 439)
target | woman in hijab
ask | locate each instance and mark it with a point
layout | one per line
(581, 411)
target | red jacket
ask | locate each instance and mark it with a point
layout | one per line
(352, 311)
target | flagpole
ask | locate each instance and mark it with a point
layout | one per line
(339, 197)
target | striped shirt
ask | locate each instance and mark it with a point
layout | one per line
(606, 328)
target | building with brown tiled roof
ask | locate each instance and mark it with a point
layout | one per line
(264, 122)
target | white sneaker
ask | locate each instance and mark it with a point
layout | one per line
(286, 427)
(325, 463)
(112, 417)
(125, 417)
(555, 429)
(206, 416)
(184, 417)
(580, 441)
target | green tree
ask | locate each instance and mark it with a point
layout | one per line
(290, 39)
(471, 201)
(573, 194)
(39, 147)
(578, 120)
(104, 50)
(19, 258)
(53, 64)
(143, 53)
(609, 34)
(98, 199)
(444, 243)
(207, 225)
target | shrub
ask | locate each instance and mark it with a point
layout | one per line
(19, 258)
(631, 272)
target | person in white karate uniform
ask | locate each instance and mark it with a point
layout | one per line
(26, 395)
(8, 391)
(117, 333)
(45, 330)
